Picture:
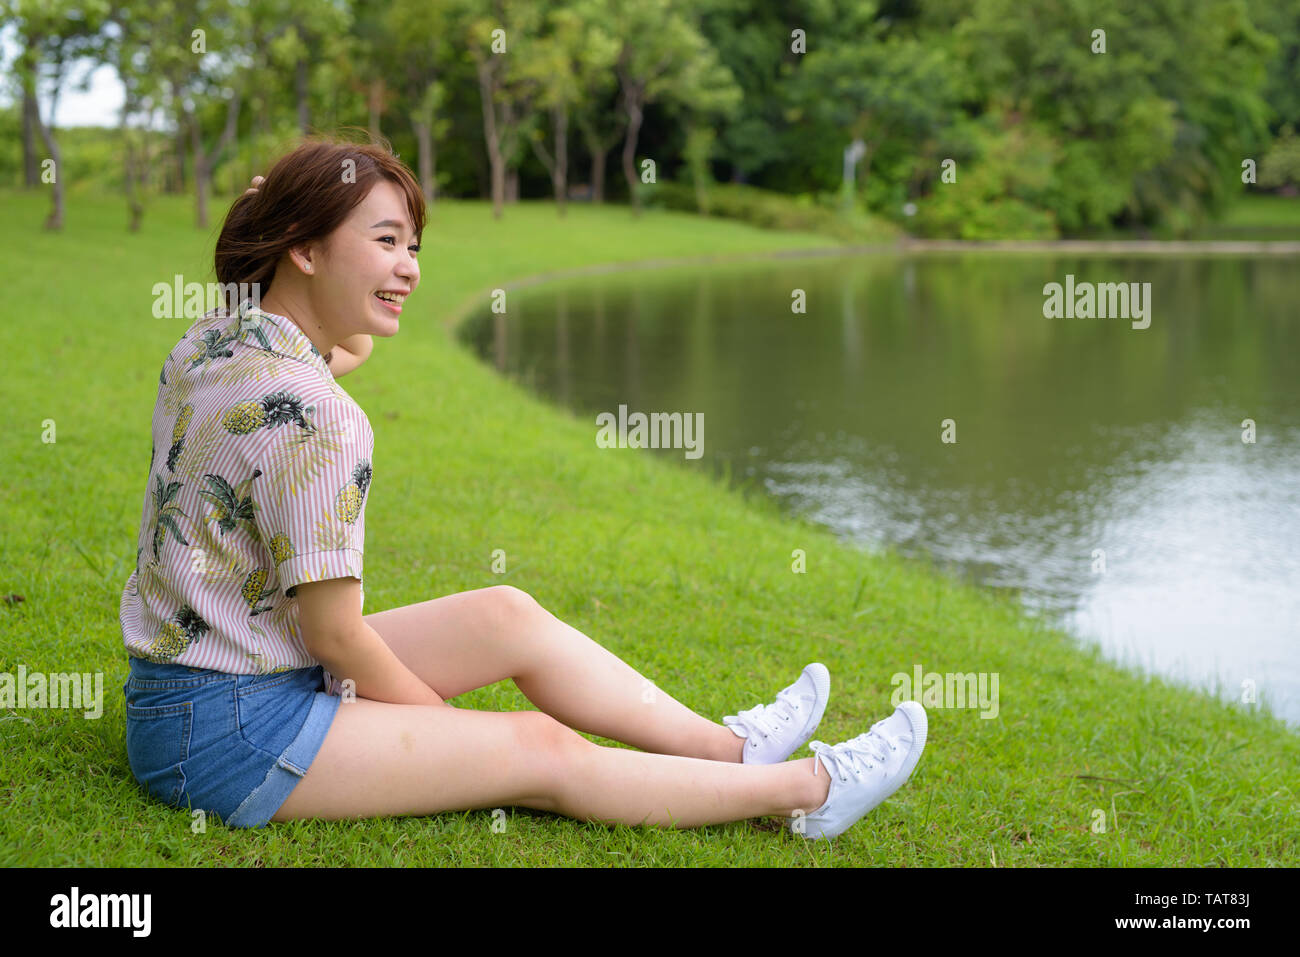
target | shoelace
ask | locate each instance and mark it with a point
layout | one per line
(848, 754)
(763, 718)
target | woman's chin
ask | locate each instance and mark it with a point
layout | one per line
(390, 323)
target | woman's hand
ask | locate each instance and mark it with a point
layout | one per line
(350, 353)
(257, 181)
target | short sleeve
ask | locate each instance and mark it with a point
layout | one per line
(311, 494)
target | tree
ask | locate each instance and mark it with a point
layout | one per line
(1280, 167)
(418, 52)
(595, 85)
(1153, 114)
(871, 85)
(754, 39)
(562, 63)
(498, 36)
(664, 57)
(57, 33)
(200, 65)
(124, 48)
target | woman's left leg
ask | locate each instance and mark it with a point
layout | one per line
(474, 638)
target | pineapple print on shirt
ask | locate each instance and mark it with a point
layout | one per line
(348, 504)
(175, 635)
(268, 412)
(304, 459)
(260, 469)
(178, 434)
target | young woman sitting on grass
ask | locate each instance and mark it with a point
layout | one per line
(258, 688)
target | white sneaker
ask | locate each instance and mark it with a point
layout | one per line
(865, 771)
(775, 731)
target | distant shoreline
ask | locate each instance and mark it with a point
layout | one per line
(1144, 247)
(1162, 247)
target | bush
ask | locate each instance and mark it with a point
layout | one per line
(771, 210)
(1280, 167)
(1002, 194)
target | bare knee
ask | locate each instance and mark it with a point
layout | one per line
(551, 749)
(513, 604)
(538, 733)
(515, 616)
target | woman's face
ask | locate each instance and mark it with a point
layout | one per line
(372, 251)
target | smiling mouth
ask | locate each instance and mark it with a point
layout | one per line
(393, 307)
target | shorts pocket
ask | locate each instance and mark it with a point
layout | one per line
(270, 711)
(157, 744)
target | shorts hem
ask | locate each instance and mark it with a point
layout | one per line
(289, 768)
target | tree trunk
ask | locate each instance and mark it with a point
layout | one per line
(485, 88)
(31, 162)
(205, 162)
(629, 151)
(424, 158)
(598, 175)
(55, 220)
(179, 100)
(498, 188)
(509, 141)
(560, 175)
(129, 170)
(200, 175)
(598, 150)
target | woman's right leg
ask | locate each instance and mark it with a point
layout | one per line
(381, 759)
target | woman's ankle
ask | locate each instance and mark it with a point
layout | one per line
(811, 790)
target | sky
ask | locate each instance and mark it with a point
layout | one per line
(100, 106)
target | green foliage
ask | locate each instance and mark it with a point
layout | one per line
(698, 149)
(11, 146)
(92, 155)
(1280, 166)
(1281, 21)
(1152, 129)
(770, 210)
(1002, 193)
(1148, 133)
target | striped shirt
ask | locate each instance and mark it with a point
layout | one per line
(258, 474)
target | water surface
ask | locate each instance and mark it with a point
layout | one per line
(1097, 468)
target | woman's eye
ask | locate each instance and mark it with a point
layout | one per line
(416, 247)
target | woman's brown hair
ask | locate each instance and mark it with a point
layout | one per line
(305, 197)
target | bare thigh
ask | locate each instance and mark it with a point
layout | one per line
(381, 759)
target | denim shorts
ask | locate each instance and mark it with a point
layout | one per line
(233, 745)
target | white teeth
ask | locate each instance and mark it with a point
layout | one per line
(390, 297)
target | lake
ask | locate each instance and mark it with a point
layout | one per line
(1139, 486)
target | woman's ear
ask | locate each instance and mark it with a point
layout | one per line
(301, 256)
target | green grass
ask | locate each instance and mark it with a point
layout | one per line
(688, 582)
(1257, 216)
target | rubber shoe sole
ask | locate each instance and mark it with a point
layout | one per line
(852, 795)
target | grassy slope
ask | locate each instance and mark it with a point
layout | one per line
(687, 582)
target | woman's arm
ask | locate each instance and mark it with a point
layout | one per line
(350, 353)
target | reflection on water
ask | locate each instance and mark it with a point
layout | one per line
(1097, 468)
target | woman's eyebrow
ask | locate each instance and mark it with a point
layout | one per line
(389, 222)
